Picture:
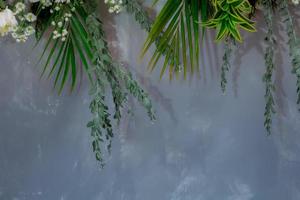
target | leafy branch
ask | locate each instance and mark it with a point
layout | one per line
(119, 81)
(293, 43)
(269, 62)
(226, 63)
(141, 16)
(85, 42)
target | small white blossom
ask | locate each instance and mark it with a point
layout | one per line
(46, 3)
(19, 7)
(29, 30)
(114, 6)
(64, 32)
(59, 24)
(30, 17)
(60, 1)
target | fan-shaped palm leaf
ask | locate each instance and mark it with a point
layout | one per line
(64, 54)
(176, 33)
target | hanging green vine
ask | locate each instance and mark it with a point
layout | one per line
(269, 62)
(136, 9)
(119, 81)
(226, 63)
(293, 43)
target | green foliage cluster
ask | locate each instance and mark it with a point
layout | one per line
(141, 16)
(119, 81)
(65, 53)
(86, 47)
(178, 34)
(177, 31)
(229, 17)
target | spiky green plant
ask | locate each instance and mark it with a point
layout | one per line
(230, 16)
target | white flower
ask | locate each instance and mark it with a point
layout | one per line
(46, 3)
(59, 24)
(30, 17)
(19, 7)
(7, 21)
(296, 2)
(60, 1)
(64, 32)
(114, 6)
(29, 30)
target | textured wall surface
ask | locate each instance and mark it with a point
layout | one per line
(204, 145)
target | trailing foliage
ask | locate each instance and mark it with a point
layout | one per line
(119, 80)
(293, 43)
(135, 8)
(269, 62)
(226, 63)
(76, 43)
(86, 42)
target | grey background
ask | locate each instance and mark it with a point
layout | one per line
(204, 145)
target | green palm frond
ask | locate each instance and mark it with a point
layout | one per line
(62, 56)
(176, 33)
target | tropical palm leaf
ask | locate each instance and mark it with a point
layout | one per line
(65, 54)
(176, 33)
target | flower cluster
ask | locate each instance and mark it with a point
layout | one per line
(61, 20)
(7, 21)
(115, 6)
(24, 29)
(295, 2)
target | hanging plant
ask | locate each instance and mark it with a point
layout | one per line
(176, 33)
(76, 43)
(230, 16)
(75, 39)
